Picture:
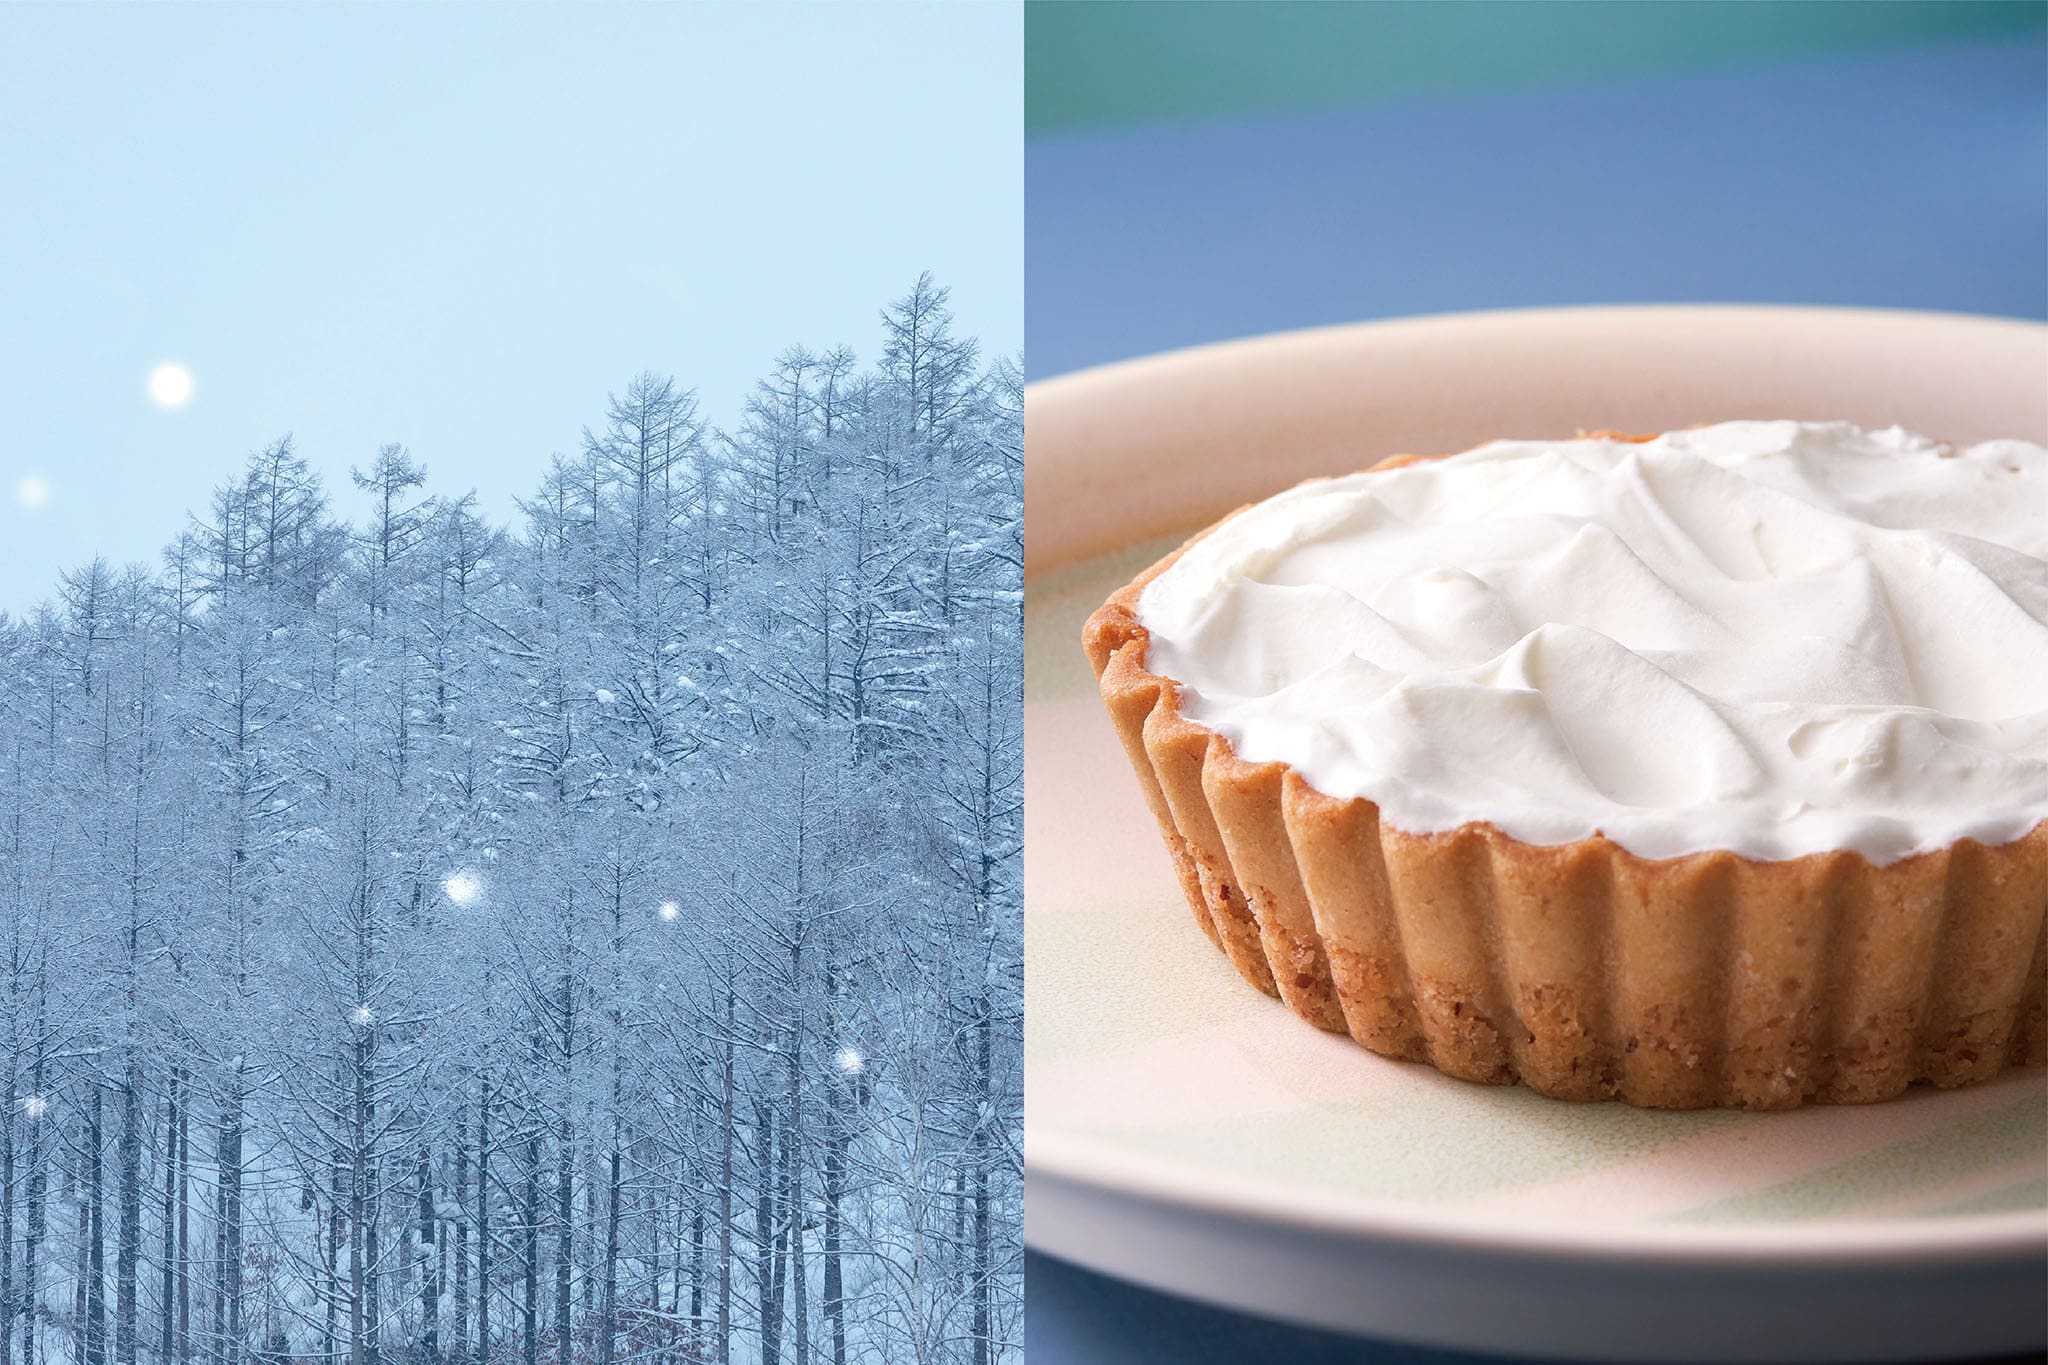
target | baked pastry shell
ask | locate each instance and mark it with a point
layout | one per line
(1581, 969)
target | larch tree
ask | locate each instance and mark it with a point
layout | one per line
(592, 938)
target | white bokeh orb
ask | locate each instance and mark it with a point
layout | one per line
(170, 385)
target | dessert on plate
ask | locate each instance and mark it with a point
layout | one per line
(1708, 768)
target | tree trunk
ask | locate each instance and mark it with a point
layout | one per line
(217, 1278)
(483, 1224)
(835, 1182)
(81, 1285)
(228, 1333)
(373, 1270)
(725, 1181)
(337, 1224)
(360, 1265)
(37, 1210)
(96, 1258)
(608, 1313)
(402, 1268)
(184, 1259)
(355, 1266)
(460, 1307)
(531, 1341)
(957, 1270)
(696, 1269)
(565, 1215)
(167, 1335)
(565, 1168)
(13, 1106)
(128, 1151)
(430, 1283)
(442, 1240)
(593, 1187)
(799, 1295)
(657, 1248)
(128, 1246)
(983, 1156)
(768, 1237)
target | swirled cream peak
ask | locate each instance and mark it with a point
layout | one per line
(1777, 638)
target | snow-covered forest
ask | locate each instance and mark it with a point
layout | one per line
(590, 939)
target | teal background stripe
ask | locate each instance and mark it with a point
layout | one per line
(1118, 62)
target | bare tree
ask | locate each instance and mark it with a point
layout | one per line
(589, 939)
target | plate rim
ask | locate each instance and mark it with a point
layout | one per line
(1227, 347)
(1143, 378)
(1099, 1167)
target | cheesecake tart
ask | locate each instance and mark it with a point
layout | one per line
(1702, 769)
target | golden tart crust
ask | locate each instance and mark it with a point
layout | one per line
(1582, 970)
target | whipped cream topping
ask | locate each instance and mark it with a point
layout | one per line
(1776, 638)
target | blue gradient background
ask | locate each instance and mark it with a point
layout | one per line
(1902, 179)
(457, 226)
(1889, 176)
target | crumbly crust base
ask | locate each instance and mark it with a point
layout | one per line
(1581, 970)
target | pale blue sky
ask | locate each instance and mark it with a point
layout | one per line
(457, 226)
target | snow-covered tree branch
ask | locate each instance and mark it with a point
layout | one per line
(593, 939)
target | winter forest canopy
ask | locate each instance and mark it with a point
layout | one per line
(594, 939)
